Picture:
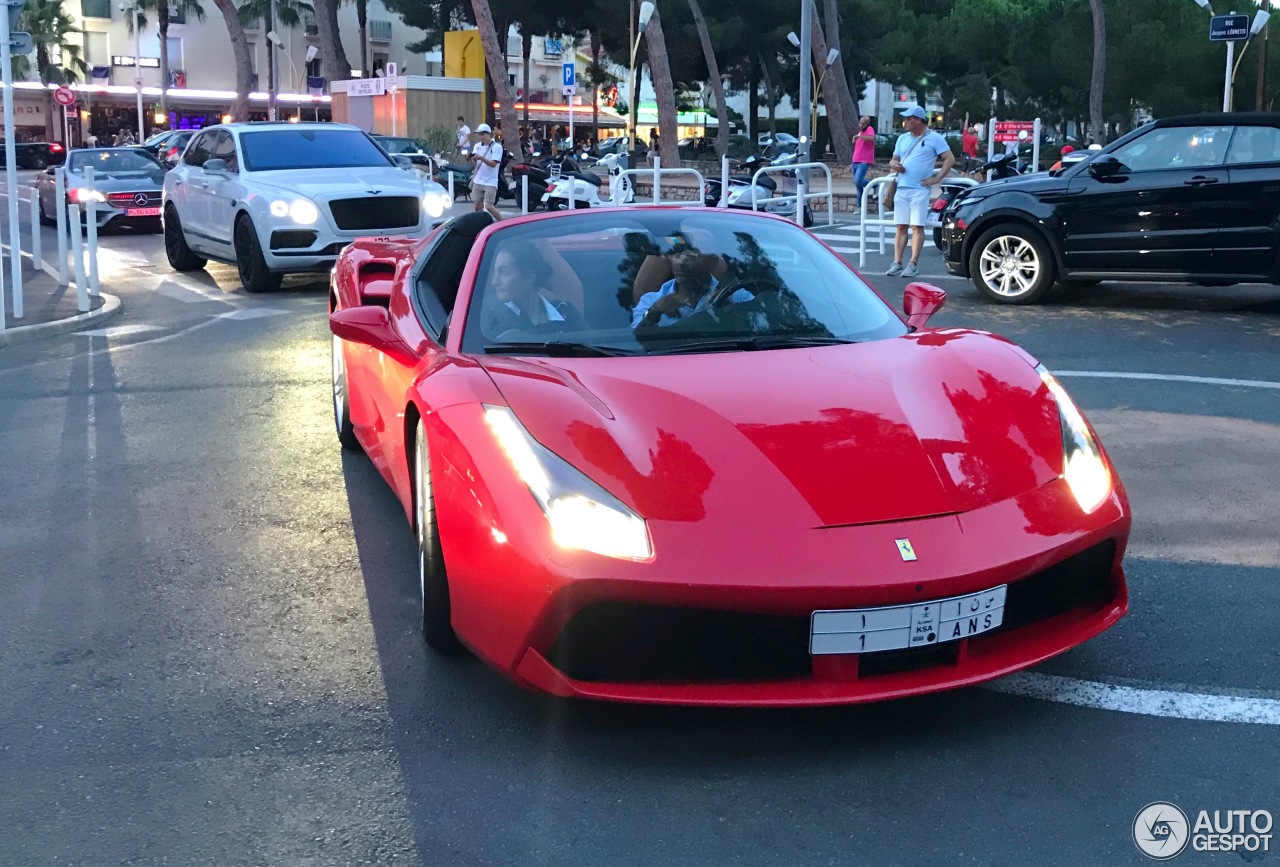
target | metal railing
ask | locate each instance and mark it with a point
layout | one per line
(802, 195)
(883, 221)
(657, 173)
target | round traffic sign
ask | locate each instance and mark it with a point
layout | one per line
(64, 96)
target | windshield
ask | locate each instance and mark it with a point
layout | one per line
(309, 148)
(398, 145)
(116, 163)
(664, 282)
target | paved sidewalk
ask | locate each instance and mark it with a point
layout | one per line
(49, 308)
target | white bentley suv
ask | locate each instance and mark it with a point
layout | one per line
(273, 198)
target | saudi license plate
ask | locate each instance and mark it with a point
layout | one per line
(896, 627)
(142, 212)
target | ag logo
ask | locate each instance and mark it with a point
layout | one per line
(1161, 831)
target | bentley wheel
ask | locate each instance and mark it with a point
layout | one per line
(175, 244)
(255, 276)
(433, 583)
(341, 402)
(1011, 264)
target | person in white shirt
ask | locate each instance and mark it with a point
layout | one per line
(487, 158)
(914, 156)
(463, 135)
(689, 291)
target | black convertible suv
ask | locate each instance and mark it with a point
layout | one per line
(1188, 199)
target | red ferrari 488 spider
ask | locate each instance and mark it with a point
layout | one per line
(688, 456)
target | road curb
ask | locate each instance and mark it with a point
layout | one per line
(111, 306)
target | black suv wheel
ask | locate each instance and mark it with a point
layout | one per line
(1012, 264)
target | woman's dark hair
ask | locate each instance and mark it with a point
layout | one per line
(530, 258)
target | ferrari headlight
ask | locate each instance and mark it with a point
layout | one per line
(435, 203)
(1083, 468)
(582, 514)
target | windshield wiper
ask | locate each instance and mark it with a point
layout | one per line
(556, 349)
(751, 343)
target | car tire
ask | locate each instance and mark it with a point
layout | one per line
(939, 241)
(433, 582)
(808, 217)
(255, 276)
(175, 244)
(1012, 264)
(342, 400)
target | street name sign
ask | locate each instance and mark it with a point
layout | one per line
(1228, 28)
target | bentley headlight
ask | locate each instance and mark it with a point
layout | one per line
(582, 514)
(435, 203)
(304, 212)
(1083, 468)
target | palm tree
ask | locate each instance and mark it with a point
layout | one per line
(288, 14)
(59, 59)
(166, 11)
(1099, 72)
(244, 64)
(717, 85)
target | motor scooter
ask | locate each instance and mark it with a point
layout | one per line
(740, 190)
(585, 188)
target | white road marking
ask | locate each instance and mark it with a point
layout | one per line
(253, 313)
(1210, 707)
(1169, 377)
(118, 330)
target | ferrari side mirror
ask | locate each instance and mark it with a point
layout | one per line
(920, 301)
(370, 325)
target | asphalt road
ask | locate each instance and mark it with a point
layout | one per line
(207, 613)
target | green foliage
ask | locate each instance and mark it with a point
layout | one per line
(438, 139)
(58, 52)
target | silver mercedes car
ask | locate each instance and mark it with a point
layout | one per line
(127, 184)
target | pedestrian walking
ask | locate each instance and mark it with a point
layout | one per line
(487, 156)
(969, 148)
(864, 155)
(463, 135)
(653, 153)
(914, 156)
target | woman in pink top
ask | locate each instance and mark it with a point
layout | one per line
(864, 154)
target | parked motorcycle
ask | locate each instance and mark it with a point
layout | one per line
(740, 190)
(463, 172)
(585, 188)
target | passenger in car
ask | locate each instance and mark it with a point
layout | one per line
(518, 293)
(686, 293)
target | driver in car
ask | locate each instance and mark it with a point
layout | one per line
(687, 292)
(520, 276)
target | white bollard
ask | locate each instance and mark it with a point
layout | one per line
(724, 182)
(451, 197)
(524, 194)
(60, 205)
(91, 233)
(573, 192)
(657, 180)
(37, 254)
(77, 258)
(800, 191)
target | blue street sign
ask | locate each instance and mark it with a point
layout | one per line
(570, 71)
(1228, 28)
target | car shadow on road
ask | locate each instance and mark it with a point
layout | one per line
(456, 719)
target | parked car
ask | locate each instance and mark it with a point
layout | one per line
(274, 198)
(1193, 198)
(35, 155)
(585, 470)
(168, 146)
(417, 155)
(126, 187)
(615, 145)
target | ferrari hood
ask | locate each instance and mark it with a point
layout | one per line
(928, 424)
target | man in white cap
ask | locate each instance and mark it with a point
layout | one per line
(914, 156)
(487, 156)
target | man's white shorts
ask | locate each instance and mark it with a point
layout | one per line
(911, 207)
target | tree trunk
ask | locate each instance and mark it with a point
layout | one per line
(272, 101)
(770, 97)
(162, 24)
(595, 86)
(753, 104)
(526, 50)
(664, 89)
(244, 64)
(1099, 71)
(495, 59)
(717, 85)
(333, 58)
(362, 27)
(841, 112)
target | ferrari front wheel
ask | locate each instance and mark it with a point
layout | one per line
(433, 583)
(341, 400)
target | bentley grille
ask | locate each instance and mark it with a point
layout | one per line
(376, 212)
